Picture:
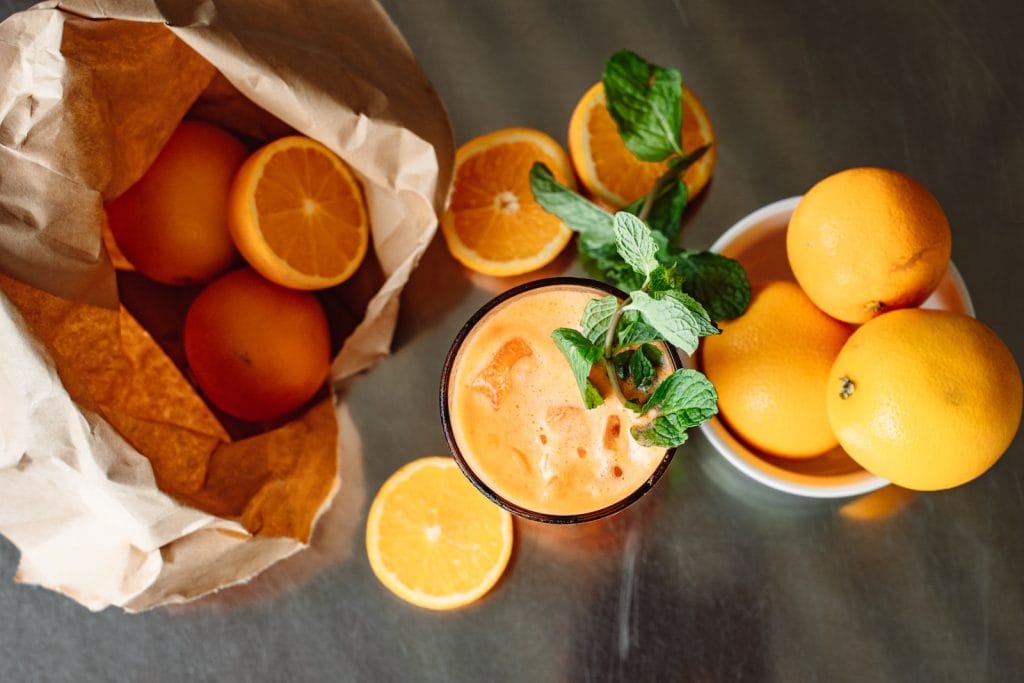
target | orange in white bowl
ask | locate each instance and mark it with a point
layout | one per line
(758, 241)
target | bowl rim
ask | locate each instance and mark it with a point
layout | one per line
(714, 428)
(449, 434)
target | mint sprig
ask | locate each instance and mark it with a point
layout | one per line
(620, 335)
(645, 101)
(717, 281)
(675, 294)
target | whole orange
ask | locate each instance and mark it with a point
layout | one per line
(926, 399)
(868, 240)
(172, 224)
(257, 350)
(770, 367)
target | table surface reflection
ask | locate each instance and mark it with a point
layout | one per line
(710, 576)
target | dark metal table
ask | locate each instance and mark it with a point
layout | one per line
(711, 576)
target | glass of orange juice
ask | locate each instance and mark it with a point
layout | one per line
(515, 420)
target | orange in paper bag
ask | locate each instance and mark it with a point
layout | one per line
(172, 223)
(257, 350)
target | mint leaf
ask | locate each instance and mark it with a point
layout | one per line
(641, 369)
(597, 316)
(664, 279)
(646, 102)
(717, 281)
(580, 215)
(592, 398)
(687, 392)
(634, 330)
(680, 319)
(653, 353)
(705, 325)
(621, 363)
(684, 399)
(634, 243)
(667, 211)
(581, 354)
(667, 431)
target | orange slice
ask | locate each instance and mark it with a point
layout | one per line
(608, 169)
(297, 215)
(493, 225)
(434, 540)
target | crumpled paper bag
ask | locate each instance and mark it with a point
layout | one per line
(117, 483)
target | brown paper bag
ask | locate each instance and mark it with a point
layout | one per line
(117, 483)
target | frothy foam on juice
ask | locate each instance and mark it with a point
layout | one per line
(519, 420)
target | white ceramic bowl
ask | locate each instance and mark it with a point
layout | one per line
(758, 241)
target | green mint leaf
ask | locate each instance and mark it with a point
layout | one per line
(666, 431)
(580, 215)
(646, 102)
(597, 316)
(634, 330)
(687, 393)
(684, 399)
(653, 353)
(592, 398)
(581, 354)
(633, 405)
(667, 211)
(642, 371)
(665, 279)
(621, 363)
(705, 325)
(679, 318)
(717, 281)
(635, 244)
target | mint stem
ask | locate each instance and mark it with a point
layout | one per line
(677, 167)
(609, 348)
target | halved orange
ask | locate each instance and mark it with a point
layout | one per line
(493, 225)
(434, 540)
(297, 214)
(608, 169)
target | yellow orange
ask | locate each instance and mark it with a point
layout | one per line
(493, 225)
(172, 223)
(608, 169)
(297, 214)
(868, 240)
(926, 399)
(770, 367)
(257, 350)
(433, 539)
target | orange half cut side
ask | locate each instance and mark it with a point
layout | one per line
(493, 225)
(297, 214)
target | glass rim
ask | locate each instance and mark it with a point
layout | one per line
(449, 433)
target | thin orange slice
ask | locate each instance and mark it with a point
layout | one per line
(297, 215)
(434, 540)
(493, 225)
(608, 169)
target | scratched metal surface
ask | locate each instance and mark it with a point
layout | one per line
(710, 576)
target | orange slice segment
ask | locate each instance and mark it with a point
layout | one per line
(608, 169)
(297, 215)
(493, 225)
(434, 540)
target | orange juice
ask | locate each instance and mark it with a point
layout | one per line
(517, 420)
